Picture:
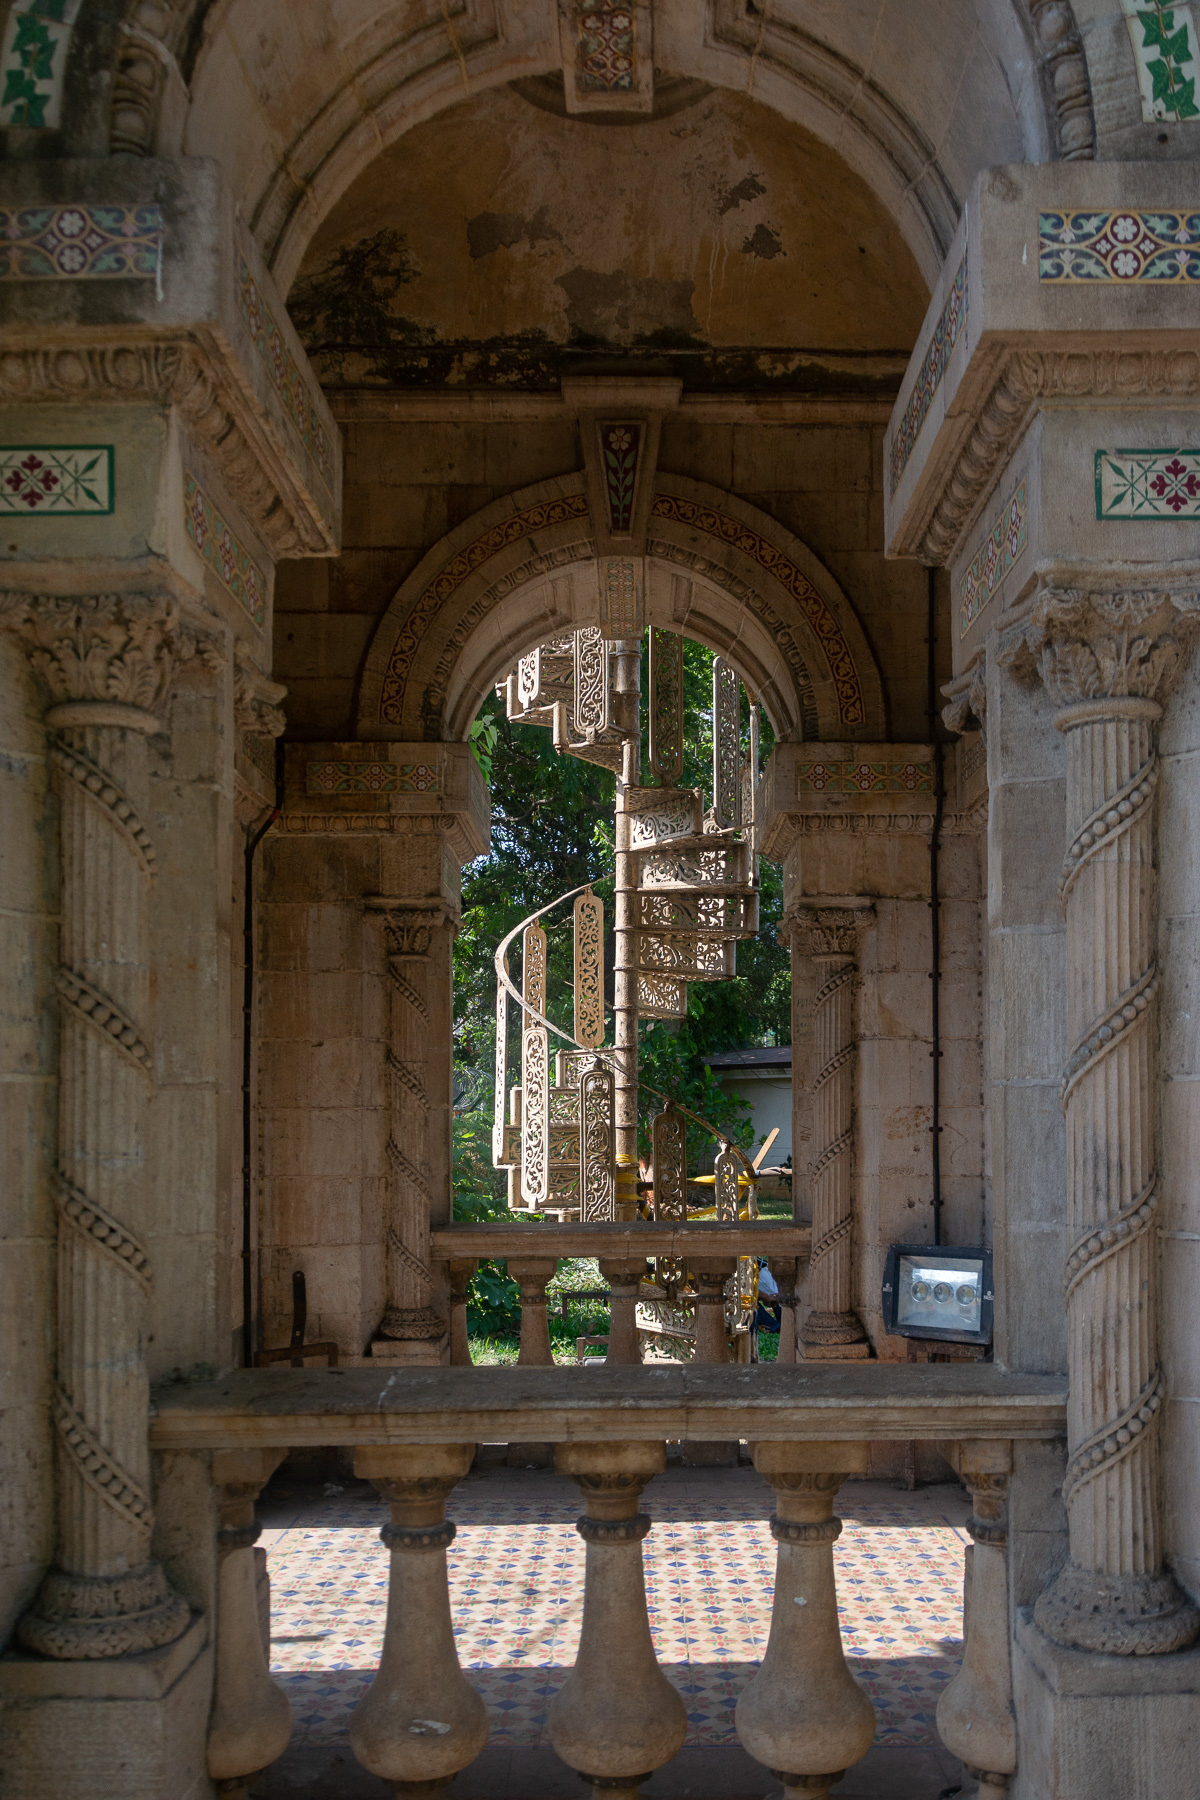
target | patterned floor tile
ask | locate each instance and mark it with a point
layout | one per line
(516, 1582)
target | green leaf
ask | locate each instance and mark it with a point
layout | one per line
(1154, 24)
(88, 467)
(1160, 75)
(34, 45)
(1183, 99)
(29, 107)
(1176, 47)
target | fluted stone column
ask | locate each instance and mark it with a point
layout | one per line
(106, 660)
(833, 1330)
(412, 1329)
(616, 1718)
(1108, 658)
(803, 1714)
(975, 1717)
(251, 1719)
(420, 1721)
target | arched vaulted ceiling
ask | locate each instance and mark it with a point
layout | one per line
(296, 98)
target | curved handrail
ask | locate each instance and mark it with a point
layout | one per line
(501, 961)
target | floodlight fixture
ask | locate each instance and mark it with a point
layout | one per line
(938, 1291)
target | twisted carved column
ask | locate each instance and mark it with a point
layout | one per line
(106, 660)
(833, 1330)
(411, 1324)
(1109, 659)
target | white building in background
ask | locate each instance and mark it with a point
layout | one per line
(762, 1076)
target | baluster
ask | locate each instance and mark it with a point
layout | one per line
(251, 1718)
(616, 1718)
(420, 1721)
(783, 1268)
(975, 1711)
(709, 1277)
(461, 1275)
(531, 1276)
(624, 1284)
(803, 1714)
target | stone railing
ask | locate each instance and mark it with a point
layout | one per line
(617, 1718)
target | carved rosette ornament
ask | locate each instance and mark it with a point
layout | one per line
(1109, 658)
(106, 660)
(833, 1330)
(410, 930)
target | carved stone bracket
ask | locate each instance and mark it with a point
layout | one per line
(966, 698)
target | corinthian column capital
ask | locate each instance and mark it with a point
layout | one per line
(105, 658)
(1094, 647)
(829, 930)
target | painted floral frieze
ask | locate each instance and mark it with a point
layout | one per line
(284, 371)
(996, 555)
(223, 551)
(371, 778)
(63, 479)
(946, 333)
(1119, 246)
(1148, 484)
(80, 243)
(862, 776)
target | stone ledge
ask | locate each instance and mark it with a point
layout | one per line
(618, 1243)
(148, 1677)
(1083, 1673)
(294, 1407)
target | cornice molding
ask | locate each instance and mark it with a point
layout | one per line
(1023, 378)
(181, 375)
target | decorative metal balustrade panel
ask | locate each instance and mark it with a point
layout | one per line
(728, 867)
(668, 1141)
(500, 1088)
(661, 996)
(533, 970)
(589, 970)
(535, 1127)
(725, 1187)
(724, 915)
(597, 1157)
(693, 956)
(727, 745)
(666, 707)
(590, 700)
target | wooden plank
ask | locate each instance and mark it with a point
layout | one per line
(762, 1237)
(850, 1402)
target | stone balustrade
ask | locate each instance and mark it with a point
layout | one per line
(617, 1718)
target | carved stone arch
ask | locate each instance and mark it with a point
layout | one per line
(522, 570)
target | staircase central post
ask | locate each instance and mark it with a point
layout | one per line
(627, 657)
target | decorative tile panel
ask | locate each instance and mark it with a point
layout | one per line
(33, 59)
(1148, 484)
(1164, 48)
(852, 776)
(620, 446)
(63, 479)
(371, 778)
(949, 328)
(1119, 246)
(994, 558)
(607, 50)
(80, 243)
(284, 371)
(224, 553)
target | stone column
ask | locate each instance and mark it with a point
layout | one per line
(251, 1718)
(420, 1721)
(106, 660)
(624, 1284)
(709, 1276)
(1108, 658)
(531, 1276)
(975, 1717)
(461, 1274)
(803, 1714)
(412, 1329)
(833, 1330)
(616, 1718)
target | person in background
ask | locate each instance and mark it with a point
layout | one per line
(768, 1315)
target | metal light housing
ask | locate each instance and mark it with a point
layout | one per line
(938, 1291)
